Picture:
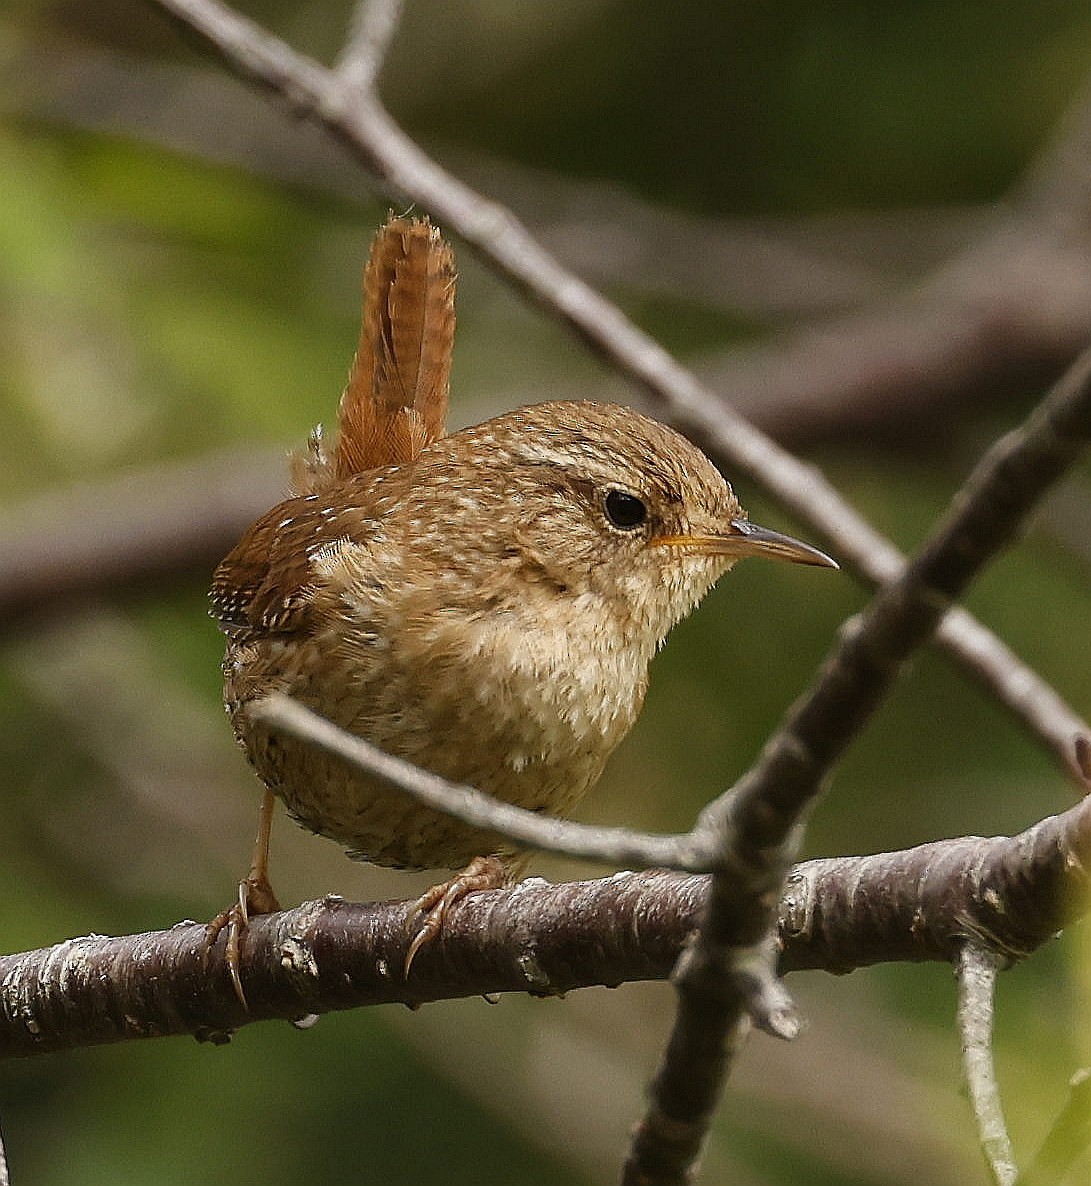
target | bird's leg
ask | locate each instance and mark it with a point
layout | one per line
(482, 873)
(255, 897)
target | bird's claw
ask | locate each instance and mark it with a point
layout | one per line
(482, 873)
(255, 897)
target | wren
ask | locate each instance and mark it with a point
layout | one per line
(484, 604)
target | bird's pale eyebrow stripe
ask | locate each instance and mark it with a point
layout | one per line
(577, 463)
(539, 453)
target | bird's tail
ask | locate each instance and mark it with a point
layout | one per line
(396, 399)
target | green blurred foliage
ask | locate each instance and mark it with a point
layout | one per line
(154, 304)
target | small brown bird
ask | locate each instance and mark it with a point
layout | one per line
(485, 604)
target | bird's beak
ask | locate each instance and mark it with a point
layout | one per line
(748, 539)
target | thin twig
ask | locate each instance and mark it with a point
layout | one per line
(977, 970)
(374, 23)
(986, 516)
(760, 821)
(409, 174)
(1067, 1139)
(616, 846)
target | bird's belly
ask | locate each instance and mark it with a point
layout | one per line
(533, 734)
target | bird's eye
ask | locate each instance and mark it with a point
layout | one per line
(625, 510)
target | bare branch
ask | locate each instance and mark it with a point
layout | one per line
(374, 24)
(837, 914)
(761, 819)
(667, 1141)
(254, 51)
(985, 517)
(1006, 895)
(1067, 1139)
(616, 846)
(977, 970)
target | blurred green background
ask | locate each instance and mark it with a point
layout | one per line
(178, 276)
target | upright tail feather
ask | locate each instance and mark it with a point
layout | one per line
(396, 399)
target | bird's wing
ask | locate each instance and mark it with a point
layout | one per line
(269, 582)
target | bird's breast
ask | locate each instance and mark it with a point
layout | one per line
(526, 709)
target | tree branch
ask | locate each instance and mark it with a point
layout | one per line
(760, 820)
(374, 24)
(67, 545)
(615, 846)
(836, 914)
(977, 970)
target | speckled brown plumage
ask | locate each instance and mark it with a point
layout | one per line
(487, 607)
(474, 612)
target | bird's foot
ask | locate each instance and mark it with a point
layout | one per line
(255, 897)
(482, 873)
